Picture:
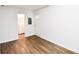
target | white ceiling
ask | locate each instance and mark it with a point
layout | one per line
(27, 7)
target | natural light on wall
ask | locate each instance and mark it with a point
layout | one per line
(36, 16)
(20, 23)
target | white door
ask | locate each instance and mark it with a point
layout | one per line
(21, 25)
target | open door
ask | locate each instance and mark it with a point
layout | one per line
(21, 27)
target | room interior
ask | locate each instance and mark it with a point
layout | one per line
(39, 29)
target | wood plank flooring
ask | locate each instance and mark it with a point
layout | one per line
(33, 45)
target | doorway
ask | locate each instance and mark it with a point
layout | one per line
(21, 26)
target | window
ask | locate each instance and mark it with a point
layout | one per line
(29, 20)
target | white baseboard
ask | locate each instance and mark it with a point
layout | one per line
(14, 39)
(7, 40)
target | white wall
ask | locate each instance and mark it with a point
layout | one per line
(8, 24)
(59, 24)
(29, 29)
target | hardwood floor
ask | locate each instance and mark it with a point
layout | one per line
(0, 48)
(33, 45)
